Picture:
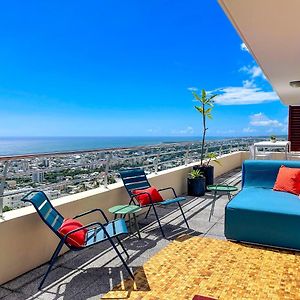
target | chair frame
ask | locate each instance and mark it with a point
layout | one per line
(63, 239)
(152, 204)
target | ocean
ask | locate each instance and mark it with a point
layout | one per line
(29, 145)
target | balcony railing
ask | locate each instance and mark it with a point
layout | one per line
(64, 173)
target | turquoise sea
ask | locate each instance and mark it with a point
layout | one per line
(26, 145)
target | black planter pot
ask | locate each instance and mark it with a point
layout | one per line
(208, 172)
(196, 186)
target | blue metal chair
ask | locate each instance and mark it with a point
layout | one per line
(136, 179)
(96, 231)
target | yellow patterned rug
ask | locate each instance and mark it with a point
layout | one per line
(214, 268)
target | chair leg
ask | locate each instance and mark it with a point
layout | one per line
(156, 215)
(213, 206)
(229, 196)
(122, 246)
(185, 220)
(121, 258)
(51, 262)
(148, 212)
(137, 226)
(130, 225)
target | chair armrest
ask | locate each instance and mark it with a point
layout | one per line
(142, 193)
(91, 211)
(168, 188)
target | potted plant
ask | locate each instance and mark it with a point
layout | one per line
(205, 109)
(196, 183)
(207, 169)
(273, 138)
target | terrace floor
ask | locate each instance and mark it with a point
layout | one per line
(92, 273)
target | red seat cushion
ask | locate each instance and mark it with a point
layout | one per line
(288, 180)
(76, 239)
(144, 198)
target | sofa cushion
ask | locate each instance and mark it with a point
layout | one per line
(288, 180)
(267, 200)
(263, 173)
(264, 216)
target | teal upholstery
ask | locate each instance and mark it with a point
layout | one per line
(171, 201)
(113, 229)
(260, 215)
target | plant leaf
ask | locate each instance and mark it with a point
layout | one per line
(196, 96)
(207, 111)
(200, 109)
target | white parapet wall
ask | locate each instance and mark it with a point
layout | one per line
(26, 242)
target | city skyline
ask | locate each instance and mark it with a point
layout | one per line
(128, 69)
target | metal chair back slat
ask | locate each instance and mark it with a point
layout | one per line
(134, 179)
(45, 210)
(129, 180)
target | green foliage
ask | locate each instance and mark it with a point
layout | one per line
(6, 208)
(52, 176)
(111, 179)
(205, 109)
(196, 174)
(212, 157)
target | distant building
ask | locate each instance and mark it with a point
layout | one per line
(38, 176)
(25, 165)
(11, 184)
(46, 162)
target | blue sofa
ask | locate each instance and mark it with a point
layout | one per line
(257, 214)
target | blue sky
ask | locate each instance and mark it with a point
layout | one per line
(123, 68)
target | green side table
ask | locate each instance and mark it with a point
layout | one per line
(220, 189)
(129, 210)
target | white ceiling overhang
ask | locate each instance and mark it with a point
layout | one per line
(270, 30)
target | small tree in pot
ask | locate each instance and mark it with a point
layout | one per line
(205, 109)
(196, 183)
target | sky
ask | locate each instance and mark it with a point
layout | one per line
(128, 68)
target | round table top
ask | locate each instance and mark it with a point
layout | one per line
(124, 209)
(222, 188)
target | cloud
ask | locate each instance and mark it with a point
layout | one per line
(192, 89)
(262, 120)
(153, 130)
(248, 130)
(244, 47)
(188, 130)
(226, 132)
(254, 71)
(243, 95)
(266, 124)
(249, 83)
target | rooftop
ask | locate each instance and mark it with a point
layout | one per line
(92, 273)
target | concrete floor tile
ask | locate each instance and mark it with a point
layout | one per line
(4, 292)
(54, 278)
(217, 229)
(15, 296)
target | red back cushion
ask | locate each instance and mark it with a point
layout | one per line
(76, 239)
(144, 198)
(288, 180)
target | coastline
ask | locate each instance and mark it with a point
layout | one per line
(33, 145)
